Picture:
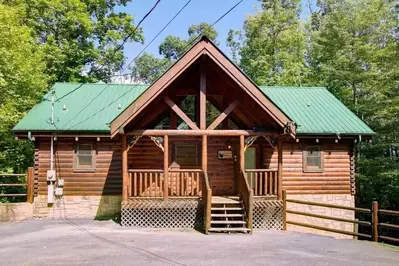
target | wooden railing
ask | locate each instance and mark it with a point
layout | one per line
(185, 183)
(150, 183)
(146, 183)
(377, 225)
(27, 184)
(373, 227)
(207, 201)
(247, 197)
(314, 215)
(264, 182)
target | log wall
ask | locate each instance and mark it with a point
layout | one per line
(106, 179)
(334, 179)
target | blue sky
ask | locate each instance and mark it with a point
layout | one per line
(196, 12)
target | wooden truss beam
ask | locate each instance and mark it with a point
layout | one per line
(223, 115)
(181, 114)
(202, 94)
(171, 132)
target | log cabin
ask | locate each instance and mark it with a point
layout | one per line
(202, 146)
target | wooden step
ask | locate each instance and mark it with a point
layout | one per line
(227, 215)
(224, 200)
(227, 208)
(231, 229)
(228, 222)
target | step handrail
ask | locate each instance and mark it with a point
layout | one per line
(207, 201)
(246, 193)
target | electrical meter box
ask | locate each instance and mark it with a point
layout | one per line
(51, 175)
(60, 182)
(59, 191)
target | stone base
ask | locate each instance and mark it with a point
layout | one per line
(14, 212)
(95, 207)
(343, 200)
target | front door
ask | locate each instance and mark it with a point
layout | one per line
(250, 161)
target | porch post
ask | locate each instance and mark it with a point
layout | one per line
(280, 168)
(242, 153)
(242, 158)
(165, 167)
(204, 153)
(124, 168)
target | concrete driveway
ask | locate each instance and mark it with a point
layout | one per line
(84, 242)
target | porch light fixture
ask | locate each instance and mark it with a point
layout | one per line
(228, 144)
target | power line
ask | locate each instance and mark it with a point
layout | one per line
(189, 44)
(106, 87)
(121, 45)
(192, 41)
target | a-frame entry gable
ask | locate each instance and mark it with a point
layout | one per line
(203, 47)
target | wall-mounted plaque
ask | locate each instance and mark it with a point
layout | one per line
(225, 154)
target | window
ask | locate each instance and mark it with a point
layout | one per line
(84, 157)
(313, 159)
(186, 155)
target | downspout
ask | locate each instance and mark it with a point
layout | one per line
(52, 137)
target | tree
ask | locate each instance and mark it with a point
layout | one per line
(354, 51)
(79, 37)
(148, 67)
(272, 49)
(22, 83)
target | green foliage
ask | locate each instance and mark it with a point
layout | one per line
(272, 46)
(352, 48)
(22, 82)
(148, 68)
(354, 51)
(43, 41)
(79, 37)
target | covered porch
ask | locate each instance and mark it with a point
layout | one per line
(211, 187)
(203, 130)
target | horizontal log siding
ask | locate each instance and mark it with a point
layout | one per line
(145, 155)
(105, 180)
(220, 172)
(335, 179)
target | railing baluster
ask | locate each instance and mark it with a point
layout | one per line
(192, 184)
(271, 184)
(275, 182)
(258, 190)
(135, 184)
(150, 185)
(145, 185)
(141, 184)
(156, 184)
(161, 181)
(182, 184)
(198, 185)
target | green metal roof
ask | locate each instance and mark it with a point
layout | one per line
(100, 103)
(316, 111)
(91, 107)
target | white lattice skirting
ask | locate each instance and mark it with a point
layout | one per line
(188, 213)
(268, 214)
(172, 213)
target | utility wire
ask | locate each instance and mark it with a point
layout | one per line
(106, 87)
(121, 45)
(183, 52)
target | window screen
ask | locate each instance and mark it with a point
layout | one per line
(313, 158)
(84, 156)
